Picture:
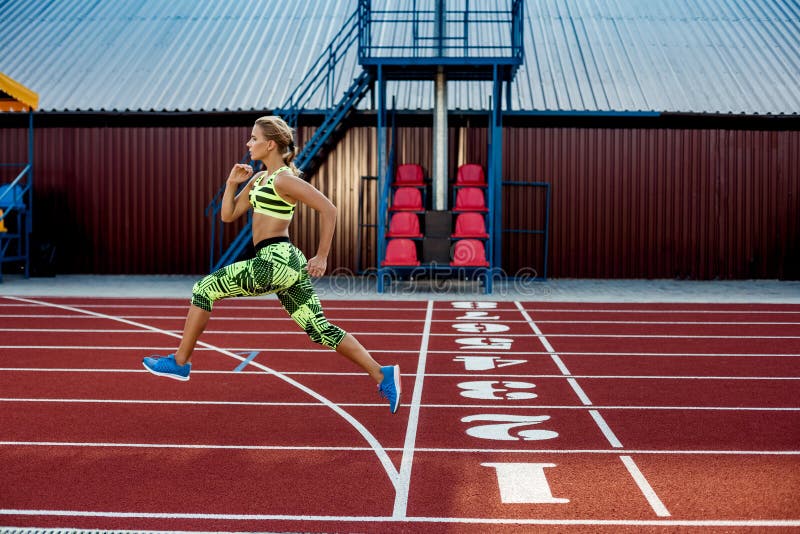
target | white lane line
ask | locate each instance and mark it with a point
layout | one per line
(188, 402)
(664, 312)
(659, 336)
(446, 520)
(313, 448)
(682, 452)
(584, 398)
(546, 344)
(205, 347)
(214, 319)
(439, 406)
(693, 323)
(404, 478)
(560, 364)
(205, 333)
(332, 304)
(427, 375)
(403, 351)
(645, 487)
(605, 429)
(222, 308)
(667, 336)
(598, 419)
(377, 320)
(432, 450)
(380, 452)
(579, 392)
(638, 354)
(84, 330)
(379, 334)
(402, 333)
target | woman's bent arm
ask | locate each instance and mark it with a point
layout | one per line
(299, 190)
(233, 205)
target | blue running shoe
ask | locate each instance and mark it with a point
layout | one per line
(167, 366)
(389, 388)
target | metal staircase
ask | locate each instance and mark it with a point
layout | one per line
(332, 127)
(16, 196)
(16, 221)
(318, 84)
(443, 41)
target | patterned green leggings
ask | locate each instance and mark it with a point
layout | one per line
(277, 268)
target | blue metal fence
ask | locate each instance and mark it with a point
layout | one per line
(545, 231)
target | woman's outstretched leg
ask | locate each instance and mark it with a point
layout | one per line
(351, 349)
(237, 279)
(387, 378)
(196, 321)
(178, 365)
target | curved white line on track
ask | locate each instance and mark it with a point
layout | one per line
(380, 452)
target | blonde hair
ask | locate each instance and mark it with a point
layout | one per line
(275, 128)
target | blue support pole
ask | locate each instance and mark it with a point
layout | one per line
(30, 139)
(440, 26)
(546, 229)
(26, 239)
(496, 171)
(382, 178)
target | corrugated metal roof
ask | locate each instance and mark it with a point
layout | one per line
(181, 55)
(724, 56)
(716, 56)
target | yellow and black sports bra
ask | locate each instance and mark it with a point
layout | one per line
(267, 201)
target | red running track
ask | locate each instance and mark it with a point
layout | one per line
(516, 417)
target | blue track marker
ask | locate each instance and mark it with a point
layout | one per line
(249, 359)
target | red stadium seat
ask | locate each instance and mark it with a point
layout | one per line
(470, 225)
(471, 174)
(404, 224)
(469, 253)
(470, 199)
(409, 174)
(400, 253)
(407, 199)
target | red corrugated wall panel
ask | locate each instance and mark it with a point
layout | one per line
(626, 203)
(130, 200)
(659, 203)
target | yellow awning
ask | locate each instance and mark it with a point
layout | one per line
(16, 97)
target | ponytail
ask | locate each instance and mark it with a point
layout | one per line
(288, 157)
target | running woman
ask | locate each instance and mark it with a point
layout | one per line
(278, 266)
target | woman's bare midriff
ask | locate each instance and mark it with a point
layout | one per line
(265, 227)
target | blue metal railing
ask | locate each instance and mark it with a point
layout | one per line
(536, 231)
(318, 85)
(321, 79)
(16, 189)
(459, 34)
(17, 197)
(384, 193)
(333, 120)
